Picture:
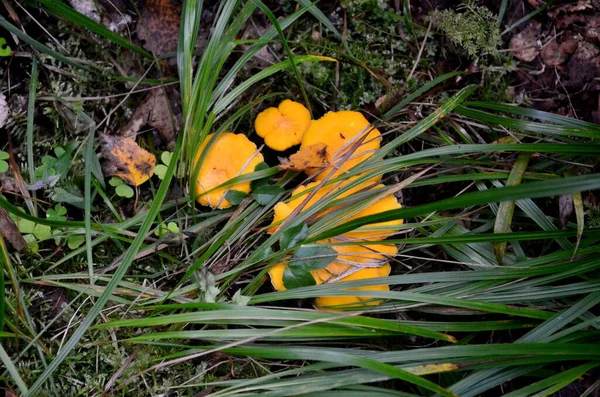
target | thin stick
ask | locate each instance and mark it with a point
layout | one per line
(420, 52)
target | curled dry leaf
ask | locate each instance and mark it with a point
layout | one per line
(524, 45)
(583, 65)
(554, 54)
(10, 231)
(3, 111)
(156, 112)
(127, 160)
(313, 156)
(158, 26)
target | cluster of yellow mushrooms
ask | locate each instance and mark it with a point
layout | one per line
(348, 139)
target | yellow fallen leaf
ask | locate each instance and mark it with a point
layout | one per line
(127, 160)
(429, 369)
(313, 156)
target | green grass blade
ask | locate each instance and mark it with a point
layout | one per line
(562, 379)
(39, 46)
(69, 14)
(12, 370)
(30, 113)
(531, 190)
(90, 155)
(507, 208)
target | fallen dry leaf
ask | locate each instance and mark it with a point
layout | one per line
(11, 232)
(586, 25)
(525, 45)
(581, 5)
(158, 26)
(583, 66)
(3, 111)
(554, 54)
(565, 209)
(127, 160)
(155, 112)
(313, 156)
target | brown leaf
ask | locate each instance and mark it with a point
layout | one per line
(581, 5)
(3, 111)
(313, 156)
(554, 54)
(11, 232)
(158, 25)
(127, 160)
(156, 112)
(565, 209)
(583, 66)
(524, 45)
(587, 25)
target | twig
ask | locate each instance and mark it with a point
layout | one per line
(420, 51)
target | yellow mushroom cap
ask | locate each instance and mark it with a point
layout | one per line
(350, 257)
(283, 209)
(338, 302)
(276, 275)
(340, 131)
(283, 127)
(376, 231)
(229, 156)
(373, 232)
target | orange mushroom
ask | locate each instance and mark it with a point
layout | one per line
(376, 231)
(354, 262)
(283, 127)
(373, 232)
(345, 301)
(340, 131)
(229, 156)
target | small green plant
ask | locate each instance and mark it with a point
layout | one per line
(4, 48)
(32, 232)
(35, 233)
(59, 213)
(166, 228)
(474, 29)
(3, 163)
(121, 188)
(161, 169)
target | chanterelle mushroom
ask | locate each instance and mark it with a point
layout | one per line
(339, 302)
(374, 232)
(283, 127)
(229, 156)
(340, 131)
(354, 262)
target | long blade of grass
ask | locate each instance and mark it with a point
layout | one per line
(532, 190)
(69, 14)
(561, 379)
(39, 46)
(507, 208)
(30, 113)
(12, 370)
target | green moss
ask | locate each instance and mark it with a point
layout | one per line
(474, 29)
(378, 59)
